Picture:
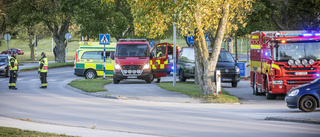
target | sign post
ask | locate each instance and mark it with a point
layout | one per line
(7, 37)
(218, 82)
(68, 37)
(104, 39)
(35, 47)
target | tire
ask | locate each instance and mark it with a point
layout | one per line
(90, 74)
(254, 87)
(115, 81)
(150, 80)
(308, 104)
(270, 96)
(234, 84)
(7, 74)
(182, 78)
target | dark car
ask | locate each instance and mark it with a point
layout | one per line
(230, 72)
(4, 65)
(18, 51)
(305, 97)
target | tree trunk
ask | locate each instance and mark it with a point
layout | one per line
(236, 46)
(31, 46)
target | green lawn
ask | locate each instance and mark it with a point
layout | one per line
(193, 90)
(15, 132)
(90, 85)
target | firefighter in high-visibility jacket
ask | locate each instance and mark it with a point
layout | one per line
(13, 68)
(43, 69)
(159, 54)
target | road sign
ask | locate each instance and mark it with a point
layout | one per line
(242, 68)
(7, 36)
(190, 40)
(207, 39)
(150, 42)
(104, 39)
(68, 36)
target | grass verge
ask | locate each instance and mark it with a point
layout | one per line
(9, 132)
(193, 90)
(51, 65)
(90, 85)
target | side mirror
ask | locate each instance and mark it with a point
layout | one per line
(151, 55)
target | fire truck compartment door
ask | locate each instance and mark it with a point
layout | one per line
(159, 61)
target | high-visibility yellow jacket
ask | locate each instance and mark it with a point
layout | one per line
(43, 64)
(15, 62)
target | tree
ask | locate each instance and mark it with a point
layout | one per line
(26, 33)
(197, 17)
(55, 14)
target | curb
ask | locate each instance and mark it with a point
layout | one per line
(299, 120)
(91, 94)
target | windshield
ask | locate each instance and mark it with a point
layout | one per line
(297, 51)
(3, 59)
(225, 57)
(132, 51)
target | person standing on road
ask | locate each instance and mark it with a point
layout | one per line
(43, 69)
(159, 54)
(13, 68)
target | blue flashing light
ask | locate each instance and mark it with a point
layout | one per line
(318, 75)
(266, 53)
(307, 34)
(317, 34)
(172, 67)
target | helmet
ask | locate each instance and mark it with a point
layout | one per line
(42, 53)
(13, 52)
(159, 48)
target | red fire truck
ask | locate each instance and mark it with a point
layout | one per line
(282, 60)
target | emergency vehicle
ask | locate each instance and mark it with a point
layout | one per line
(89, 60)
(133, 60)
(282, 60)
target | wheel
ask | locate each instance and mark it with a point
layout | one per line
(150, 80)
(270, 96)
(254, 87)
(115, 81)
(234, 84)
(182, 78)
(308, 104)
(7, 74)
(90, 74)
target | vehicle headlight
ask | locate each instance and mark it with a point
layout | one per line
(277, 82)
(305, 62)
(293, 92)
(237, 69)
(117, 66)
(311, 61)
(1, 67)
(297, 62)
(290, 62)
(146, 66)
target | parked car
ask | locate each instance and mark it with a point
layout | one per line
(18, 51)
(4, 65)
(230, 72)
(305, 97)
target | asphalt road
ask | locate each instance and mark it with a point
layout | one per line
(59, 106)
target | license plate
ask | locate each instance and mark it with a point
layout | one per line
(301, 73)
(132, 76)
(226, 79)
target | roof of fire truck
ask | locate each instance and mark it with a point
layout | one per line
(299, 35)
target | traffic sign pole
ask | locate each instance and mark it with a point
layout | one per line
(67, 51)
(104, 62)
(35, 47)
(7, 37)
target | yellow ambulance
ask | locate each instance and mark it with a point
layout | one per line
(89, 60)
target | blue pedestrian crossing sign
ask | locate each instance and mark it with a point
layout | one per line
(104, 39)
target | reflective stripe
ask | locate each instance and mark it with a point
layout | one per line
(44, 84)
(255, 37)
(161, 66)
(255, 46)
(12, 84)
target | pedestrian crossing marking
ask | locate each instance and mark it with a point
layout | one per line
(104, 39)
